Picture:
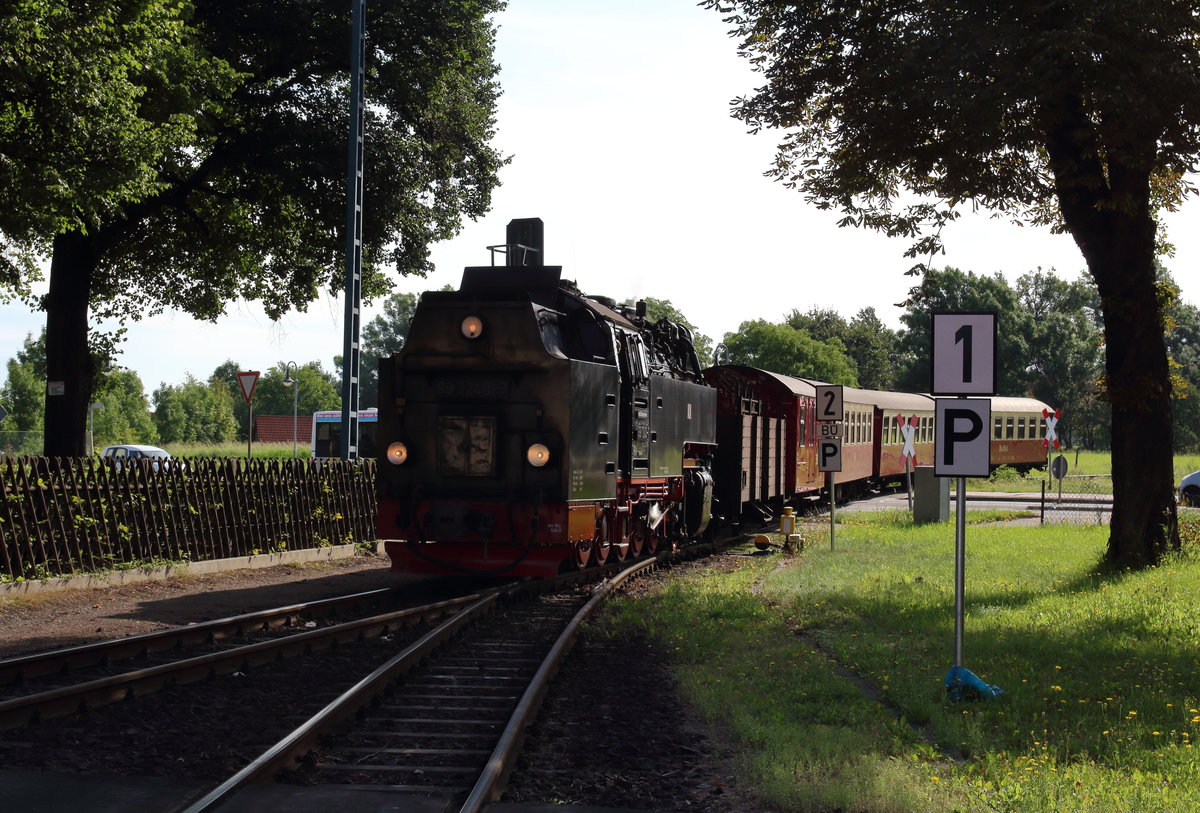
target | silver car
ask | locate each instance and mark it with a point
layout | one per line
(1189, 489)
(133, 451)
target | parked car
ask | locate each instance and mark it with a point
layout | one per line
(132, 451)
(1189, 489)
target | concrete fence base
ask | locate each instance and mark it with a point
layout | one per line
(117, 578)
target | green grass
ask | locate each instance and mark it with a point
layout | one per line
(1101, 698)
(265, 451)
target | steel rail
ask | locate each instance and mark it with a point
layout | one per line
(57, 702)
(37, 664)
(495, 773)
(304, 738)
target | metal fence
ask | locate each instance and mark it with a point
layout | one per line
(61, 516)
(1077, 499)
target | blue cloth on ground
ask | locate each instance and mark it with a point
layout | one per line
(962, 684)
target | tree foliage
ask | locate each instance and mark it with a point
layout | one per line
(124, 415)
(953, 290)
(24, 391)
(1065, 362)
(93, 97)
(193, 412)
(783, 349)
(657, 309)
(869, 343)
(381, 337)
(317, 390)
(250, 204)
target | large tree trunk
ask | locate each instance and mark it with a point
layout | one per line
(1144, 521)
(1104, 197)
(1119, 248)
(70, 371)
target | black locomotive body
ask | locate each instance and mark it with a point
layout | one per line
(526, 428)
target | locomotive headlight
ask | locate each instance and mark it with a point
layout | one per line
(472, 327)
(538, 455)
(397, 453)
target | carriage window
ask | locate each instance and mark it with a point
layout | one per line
(998, 429)
(1008, 430)
(1020, 429)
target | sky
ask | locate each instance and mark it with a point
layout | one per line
(616, 116)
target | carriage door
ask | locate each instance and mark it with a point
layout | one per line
(750, 461)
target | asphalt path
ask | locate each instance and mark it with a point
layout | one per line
(1076, 508)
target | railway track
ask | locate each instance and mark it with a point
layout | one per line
(445, 718)
(50, 684)
(460, 712)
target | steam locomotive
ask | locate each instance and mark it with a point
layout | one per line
(526, 428)
(529, 426)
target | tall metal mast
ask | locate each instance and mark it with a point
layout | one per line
(354, 199)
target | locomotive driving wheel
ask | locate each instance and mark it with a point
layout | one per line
(601, 546)
(582, 552)
(642, 540)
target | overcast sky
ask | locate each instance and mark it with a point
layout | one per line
(616, 115)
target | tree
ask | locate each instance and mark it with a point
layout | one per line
(318, 391)
(92, 97)
(252, 206)
(99, 102)
(24, 392)
(193, 412)
(953, 290)
(783, 349)
(125, 414)
(381, 337)
(1083, 115)
(224, 380)
(1065, 348)
(657, 309)
(1183, 343)
(872, 345)
(869, 343)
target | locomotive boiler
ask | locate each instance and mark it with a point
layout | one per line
(526, 428)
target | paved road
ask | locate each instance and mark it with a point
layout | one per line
(1085, 509)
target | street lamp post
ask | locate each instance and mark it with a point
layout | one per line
(294, 383)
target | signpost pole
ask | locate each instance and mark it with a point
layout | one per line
(832, 512)
(830, 412)
(908, 480)
(964, 364)
(248, 381)
(960, 569)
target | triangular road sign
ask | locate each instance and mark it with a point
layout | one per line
(248, 380)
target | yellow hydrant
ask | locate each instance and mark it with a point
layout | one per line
(787, 522)
(792, 541)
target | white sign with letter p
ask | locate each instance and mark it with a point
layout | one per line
(962, 444)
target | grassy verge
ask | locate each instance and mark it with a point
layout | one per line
(1101, 691)
(260, 451)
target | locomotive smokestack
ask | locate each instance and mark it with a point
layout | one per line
(526, 244)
